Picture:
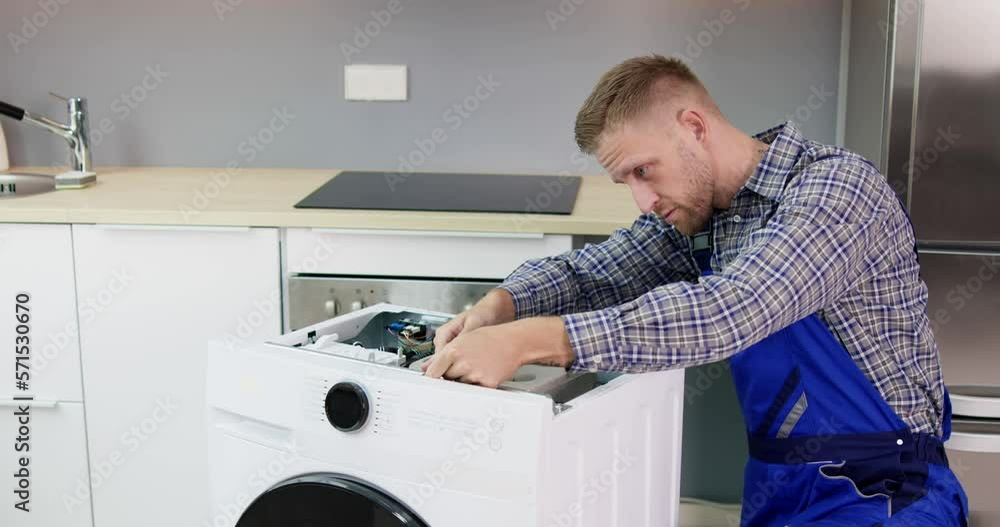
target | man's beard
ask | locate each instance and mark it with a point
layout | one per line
(697, 210)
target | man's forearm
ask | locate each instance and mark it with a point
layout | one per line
(626, 265)
(545, 342)
(501, 304)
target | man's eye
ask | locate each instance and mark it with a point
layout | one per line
(640, 172)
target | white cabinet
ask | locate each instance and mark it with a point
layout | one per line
(162, 294)
(36, 261)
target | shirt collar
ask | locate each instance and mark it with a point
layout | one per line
(771, 174)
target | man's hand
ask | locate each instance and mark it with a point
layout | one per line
(496, 307)
(490, 355)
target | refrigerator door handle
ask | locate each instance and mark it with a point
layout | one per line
(968, 250)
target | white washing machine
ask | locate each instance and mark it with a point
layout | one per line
(331, 425)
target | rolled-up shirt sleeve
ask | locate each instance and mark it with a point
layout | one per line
(629, 263)
(817, 245)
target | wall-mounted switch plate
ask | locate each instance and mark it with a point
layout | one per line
(375, 82)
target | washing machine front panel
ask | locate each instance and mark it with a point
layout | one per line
(404, 426)
(425, 440)
(330, 500)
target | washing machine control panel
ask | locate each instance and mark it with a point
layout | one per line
(347, 406)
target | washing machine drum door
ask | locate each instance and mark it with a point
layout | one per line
(327, 500)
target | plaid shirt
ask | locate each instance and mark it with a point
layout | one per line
(815, 229)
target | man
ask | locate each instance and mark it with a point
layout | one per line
(792, 259)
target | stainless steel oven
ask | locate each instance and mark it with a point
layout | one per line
(314, 298)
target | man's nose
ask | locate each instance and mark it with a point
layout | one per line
(645, 199)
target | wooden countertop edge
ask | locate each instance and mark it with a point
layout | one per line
(102, 210)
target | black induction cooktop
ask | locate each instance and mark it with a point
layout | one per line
(451, 192)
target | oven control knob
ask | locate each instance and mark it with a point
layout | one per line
(330, 307)
(467, 307)
(347, 406)
(357, 305)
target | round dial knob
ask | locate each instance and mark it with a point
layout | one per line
(357, 305)
(347, 406)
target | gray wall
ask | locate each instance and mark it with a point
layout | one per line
(762, 59)
(226, 76)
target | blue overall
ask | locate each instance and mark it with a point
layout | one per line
(825, 448)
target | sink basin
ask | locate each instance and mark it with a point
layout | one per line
(14, 185)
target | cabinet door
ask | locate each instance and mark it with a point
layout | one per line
(51, 436)
(37, 260)
(167, 293)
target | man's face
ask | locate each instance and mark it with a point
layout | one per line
(667, 170)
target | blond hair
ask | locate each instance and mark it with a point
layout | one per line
(631, 87)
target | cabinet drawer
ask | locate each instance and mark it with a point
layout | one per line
(59, 482)
(439, 254)
(37, 260)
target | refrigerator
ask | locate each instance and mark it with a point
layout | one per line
(923, 102)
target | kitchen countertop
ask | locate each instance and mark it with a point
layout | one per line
(266, 198)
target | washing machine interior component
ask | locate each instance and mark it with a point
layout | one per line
(393, 447)
(405, 339)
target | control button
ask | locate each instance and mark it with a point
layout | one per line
(347, 406)
(356, 305)
(330, 307)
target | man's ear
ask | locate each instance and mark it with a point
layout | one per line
(692, 121)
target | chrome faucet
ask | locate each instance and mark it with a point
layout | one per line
(76, 133)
